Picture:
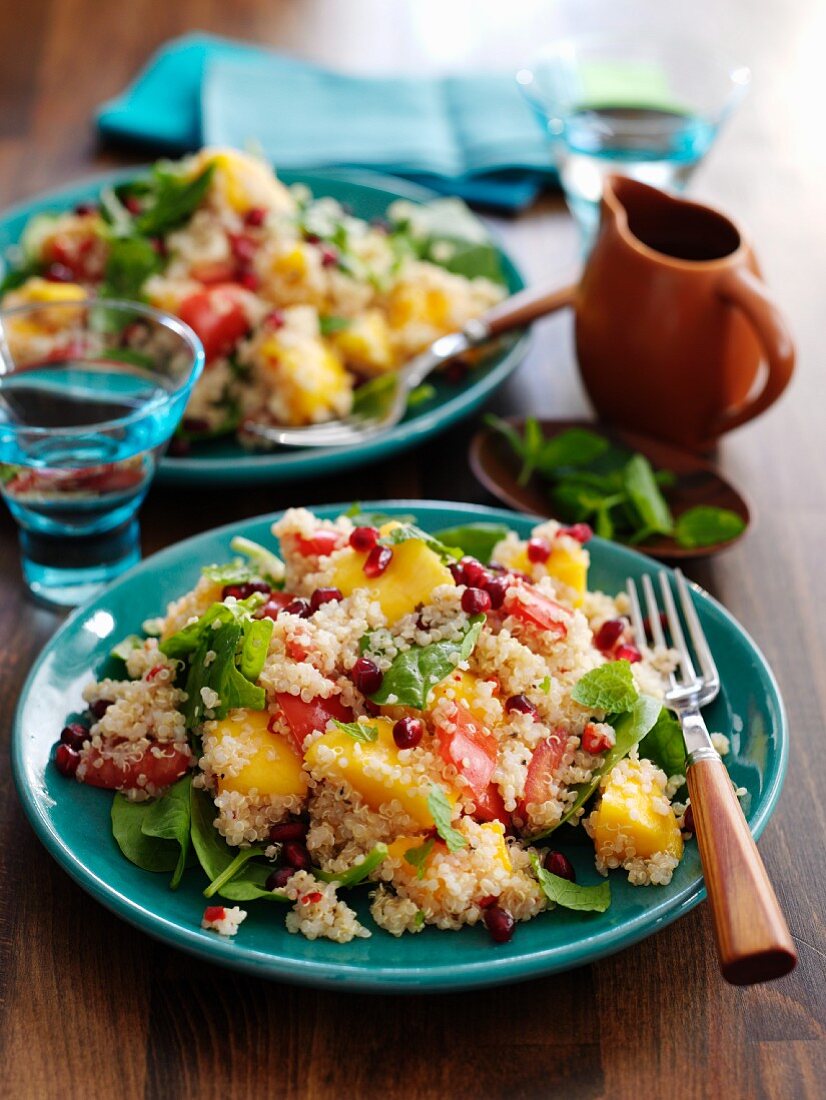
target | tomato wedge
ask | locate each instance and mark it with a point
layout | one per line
(211, 272)
(536, 609)
(541, 769)
(319, 544)
(490, 806)
(470, 748)
(217, 315)
(159, 770)
(305, 718)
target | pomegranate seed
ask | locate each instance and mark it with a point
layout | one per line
(496, 589)
(255, 217)
(312, 238)
(522, 705)
(475, 574)
(66, 760)
(407, 732)
(371, 709)
(214, 912)
(628, 652)
(279, 879)
(329, 256)
(158, 245)
(457, 572)
(476, 601)
(84, 208)
(288, 830)
(609, 634)
(487, 902)
(300, 607)
(538, 550)
(274, 319)
(579, 531)
(364, 538)
(688, 820)
(499, 923)
(74, 735)
(495, 567)
(295, 853)
(367, 676)
(245, 590)
(325, 595)
(100, 707)
(133, 204)
(59, 273)
(377, 561)
(249, 280)
(559, 865)
(242, 248)
(595, 740)
(271, 609)
(311, 899)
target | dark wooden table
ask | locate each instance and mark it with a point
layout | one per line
(91, 1007)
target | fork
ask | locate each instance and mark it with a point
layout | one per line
(753, 940)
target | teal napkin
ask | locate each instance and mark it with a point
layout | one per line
(469, 135)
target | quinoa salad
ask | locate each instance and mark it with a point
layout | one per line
(428, 719)
(303, 309)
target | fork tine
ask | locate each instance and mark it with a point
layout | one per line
(636, 613)
(698, 638)
(653, 610)
(676, 630)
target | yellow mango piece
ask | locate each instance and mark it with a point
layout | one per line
(291, 264)
(408, 581)
(630, 809)
(371, 768)
(459, 686)
(274, 766)
(309, 376)
(502, 854)
(365, 344)
(43, 290)
(243, 180)
(569, 567)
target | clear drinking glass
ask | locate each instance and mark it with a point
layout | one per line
(90, 393)
(636, 104)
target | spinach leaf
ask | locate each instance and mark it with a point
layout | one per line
(171, 199)
(420, 395)
(664, 745)
(646, 498)
(268, 564)
(130, 262)
(475, 539)
(168, 818)
(359, 731)
(150, 853)
(705, 526)
(415, 671)
(442, 812)
(417, 857)
(570, 895)
(358, 872)
(215, 856)
(372, 399)
(126, 646)
(256, 640)
(609, 687)
(230, 572)
(220, 675)
(474, 261)
(330, 324)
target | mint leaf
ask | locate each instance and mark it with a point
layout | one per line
(575, 447)
(415, 671)
(170, 199)
(664, 745)
(477, 540)
(329, 324)
(610, 687)
(442, 813)
(646, 499)
(357, 730)
(407, 531)
(356, 873)
(168, 818)
(130, 262)
(705, 526)
(417, 857)
(570, 895)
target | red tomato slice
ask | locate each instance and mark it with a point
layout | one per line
(470, 748)
(320, 544)
(159, 770)
(536, 609)
(211, 272)
(491, 807)
(72, 252)
(542, 767)
(217, 316)
(304, 718)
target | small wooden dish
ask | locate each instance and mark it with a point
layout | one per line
(698, 483)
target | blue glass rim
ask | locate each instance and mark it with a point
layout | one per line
(168, 320)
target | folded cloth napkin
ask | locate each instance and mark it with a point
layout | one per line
(470, 135)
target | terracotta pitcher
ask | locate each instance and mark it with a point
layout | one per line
(672, 319)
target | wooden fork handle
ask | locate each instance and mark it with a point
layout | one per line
(525, 307)
(753, 940)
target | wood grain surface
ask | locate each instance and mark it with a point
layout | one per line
(90, 1007)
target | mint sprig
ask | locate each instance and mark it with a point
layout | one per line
(441, 810)
(609, 688)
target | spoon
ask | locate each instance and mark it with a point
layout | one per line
(388, 402)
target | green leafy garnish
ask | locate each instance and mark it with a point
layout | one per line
(610, 688)
(372, 399)
(248, 879)
(545, 684)
(168, 818)
(417, 857)
(358, 872)
(360, 518)
(664, 744)
(475, 539)
(418, 919)
(359, 731)
(268, 564)
(169, 199)
(329, 324)
(404, 532)
(646, 499)
(150, 853)
(256, 640)
(126, 646)
(570, 895)
(706, 526)
(130, 262)
(442, 813)
(420, 394)
(415, 671)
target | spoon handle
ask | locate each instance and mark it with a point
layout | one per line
(527, 306)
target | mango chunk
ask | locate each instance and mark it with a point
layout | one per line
(462, 688)
(365, 344)
(309, 376)
(569, 567)
(408, 581)
(634, 818)
(273, 767)
(372, 768)
(502, 855)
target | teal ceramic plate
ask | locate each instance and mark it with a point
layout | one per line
(73, 820)
(226, 462)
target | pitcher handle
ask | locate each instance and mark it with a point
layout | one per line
(742, 289)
